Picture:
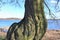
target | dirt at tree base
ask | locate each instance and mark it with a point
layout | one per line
(52, 35)
(49, 35)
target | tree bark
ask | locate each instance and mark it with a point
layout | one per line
(32, 26)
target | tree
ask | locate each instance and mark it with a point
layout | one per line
(32, 26)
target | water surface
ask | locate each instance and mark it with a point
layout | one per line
(52, 24)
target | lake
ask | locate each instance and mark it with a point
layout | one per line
(6, 23)
(52, 24)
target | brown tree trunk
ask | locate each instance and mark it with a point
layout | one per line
(33, 25)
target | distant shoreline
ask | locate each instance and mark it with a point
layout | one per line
(10, 19)
(53, 19)
(20, 19)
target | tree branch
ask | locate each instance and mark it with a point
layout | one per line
(50, 13)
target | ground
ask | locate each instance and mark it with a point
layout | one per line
(49, 35)
(52, 35)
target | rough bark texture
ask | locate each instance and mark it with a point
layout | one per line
(32, 26)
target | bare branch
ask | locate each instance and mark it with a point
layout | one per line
(18, 3)
(50, 13)
(56, 5)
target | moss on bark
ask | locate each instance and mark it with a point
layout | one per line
(32, 26)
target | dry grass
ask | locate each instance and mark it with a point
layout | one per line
(52, 35)
(49, 35)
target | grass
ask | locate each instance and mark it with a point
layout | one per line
(2, 38)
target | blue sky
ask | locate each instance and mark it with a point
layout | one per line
(52, 4)
(14, 11)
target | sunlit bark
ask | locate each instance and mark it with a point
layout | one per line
(33, 25)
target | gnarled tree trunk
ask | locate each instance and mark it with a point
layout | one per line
(33, 25)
